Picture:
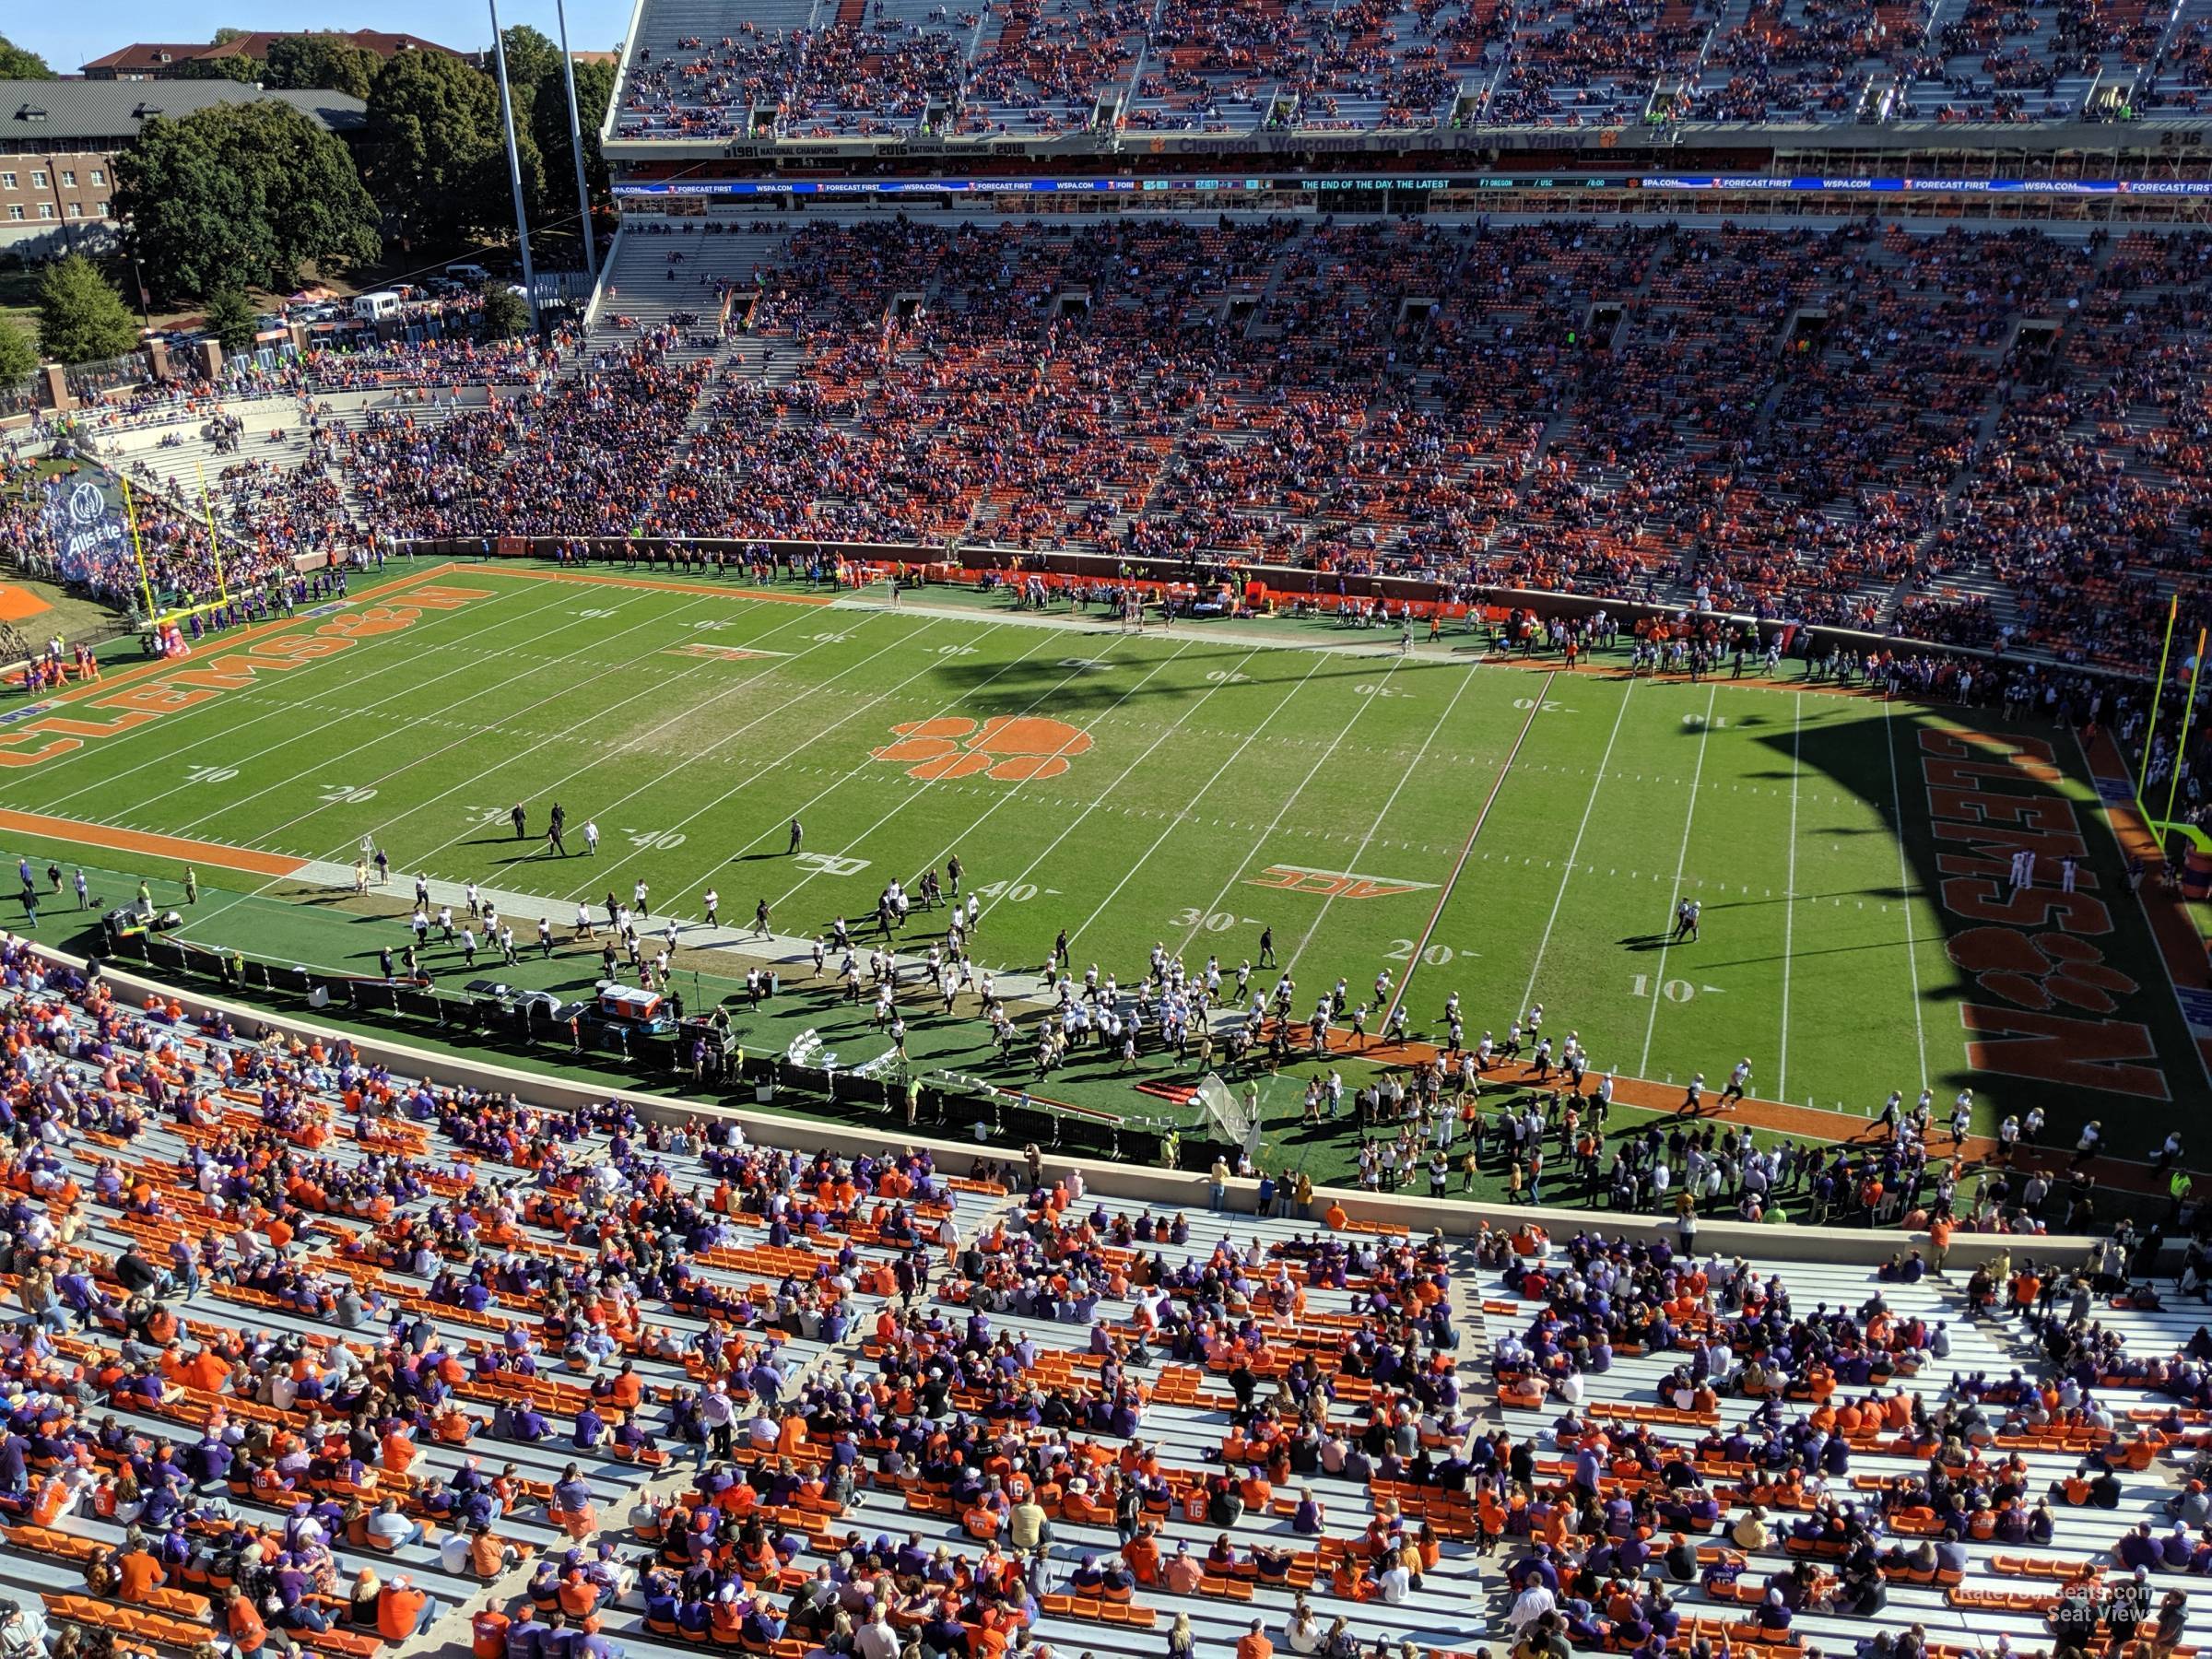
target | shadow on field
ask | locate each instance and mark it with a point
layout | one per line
(1057, 687)
(2058, 999)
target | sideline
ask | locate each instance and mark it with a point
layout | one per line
(589, 579)
(1450, 1217)
(787, 952)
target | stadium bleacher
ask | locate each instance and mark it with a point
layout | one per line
(1869, 425)
(888, 69)
(709, 1391)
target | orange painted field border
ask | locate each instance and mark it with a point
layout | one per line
(212, 853)
(2180, 944)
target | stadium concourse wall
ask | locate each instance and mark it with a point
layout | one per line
(1171, 1188)
(1285, 584)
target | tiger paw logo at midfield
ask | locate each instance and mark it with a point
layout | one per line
(1013, 748)
(2042, 970)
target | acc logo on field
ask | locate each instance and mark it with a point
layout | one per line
(1334, 884)
(87, 504)
(1011, 748)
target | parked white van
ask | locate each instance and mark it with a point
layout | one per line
(378, 306)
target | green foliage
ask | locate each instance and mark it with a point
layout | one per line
(16, 64)
(549, 129)
(505, 312)
(436, 158)
(235, 66)
(82, 319)
(322, 62)
(530, 58)
(18, 356)
(241, 196)
(223, 37)
(230, 319)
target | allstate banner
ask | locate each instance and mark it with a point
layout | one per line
(87, 531)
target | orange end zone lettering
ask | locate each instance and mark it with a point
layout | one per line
(229, 674)
(1984, 899)
(1962, 745)
(2074, 1054)
(60, 746)
(161, 698)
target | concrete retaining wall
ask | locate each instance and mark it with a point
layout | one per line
(1181, 1189)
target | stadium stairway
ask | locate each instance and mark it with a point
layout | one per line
(659, 275)
(181, 449)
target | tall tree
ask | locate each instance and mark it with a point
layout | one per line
(549, 129)
(16, 64)
(18, 356)
(436, 158)
(322, 62)
(505, 312)
(191, 220)
(81, 317)
(223, 37)
(232, 66)
(529, 55)
(241, 196)
(230, 319)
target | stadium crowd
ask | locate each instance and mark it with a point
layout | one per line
(310, 1347)
(1860, 427)
(1039, 67)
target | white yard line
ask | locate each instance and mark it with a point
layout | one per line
(1212, 778)
(1382, 816)
(169, 761)
(1467, 849)
(226, 731)
(1644, 1065)
(1282, 811)
(1789, 897)
(1528, 994)
(470, 781)
(953, 845)
(1099, 800)
(768, 766)
(1904, 888)
(1012, 789)
(442, 713)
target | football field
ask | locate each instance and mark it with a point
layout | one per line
(1514, 833)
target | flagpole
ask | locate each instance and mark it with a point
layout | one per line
(2158, 690)
(514, 164)
(2181, 749)
(215, 542)
(130, 514)
(584, 192)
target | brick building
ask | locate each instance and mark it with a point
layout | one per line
(58, 141)
(144, 61)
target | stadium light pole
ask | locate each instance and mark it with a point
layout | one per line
(514, 164)
(583, 194)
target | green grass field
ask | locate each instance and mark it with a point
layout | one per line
(1510, 833)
